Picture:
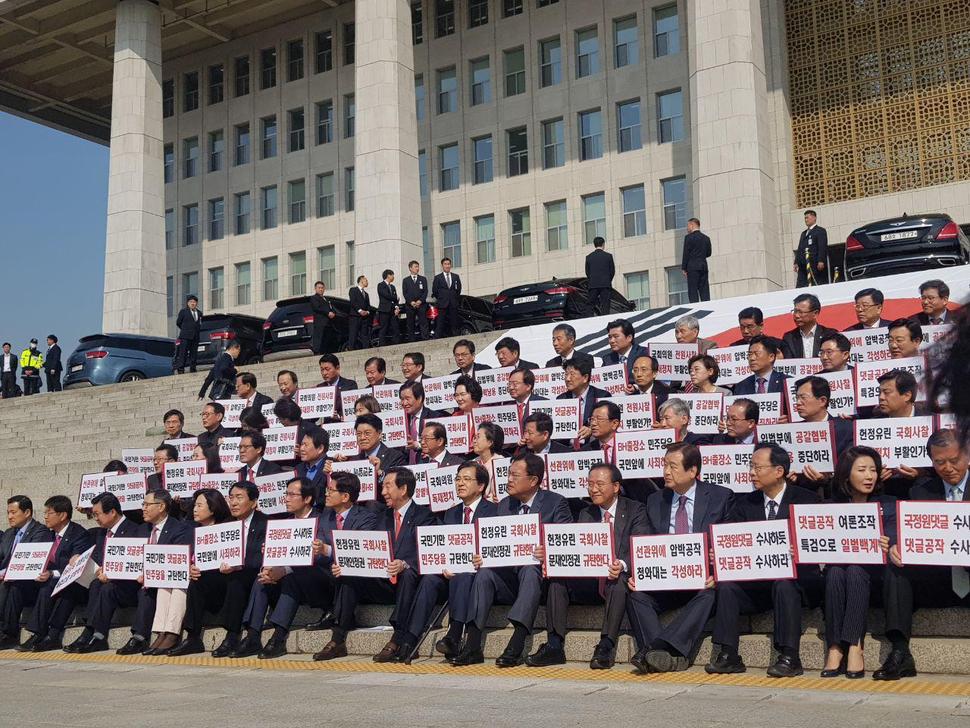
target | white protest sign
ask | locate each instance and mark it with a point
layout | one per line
(867, 378)
(808, 443)
(272, 492)
(641, 454)
(182, 478)
(229, 454)
(166, 567)
(122, 560)
(234, 408)
(798, 368)
(705, 411)
(362, 553)
(129, 488)
(271, 419)
(898, 440)
(752, 551)
(567, 473)
(317, 402)
(868, 344)
(612, 378)
(388, 396)
(769, 406)
(343, 438)
(349, 396)
(495, 385)
(439, 392)
(550, 382)
(184, 445)
(935, 333)
(446, 548)
(441, 488)
(289, 542)
(394, 433)
(218, 544)
(281, 443)
(934, 533)
(92, 486)
(365, 472)
(458, 431)
(565, 414)
(669, 562)
(636, 411)
(727, 465)
(841, 400)
(499, 481)
(732, 364)
(837, 533)
(222, 482)
(578, 549)
(27, 561)
(508, 540)
(672, 360)
(946, 421)
(420, 471)
(139, 460)
(505, 416)
(81, 572)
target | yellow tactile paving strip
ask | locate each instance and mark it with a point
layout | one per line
(910, 686)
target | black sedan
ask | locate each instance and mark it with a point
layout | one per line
(904, 244)
(561, 299)
(289, 327)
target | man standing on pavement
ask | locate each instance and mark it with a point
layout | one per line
(446, 290)
(600, 270)
(189, 323)
(358, 322)
(52, 364)
(323, 314)
(388, 308)
(697, 249)
(415, 289)
(8, 371)
(31, 362)
(812, 254)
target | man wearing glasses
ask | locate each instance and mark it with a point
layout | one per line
(868, 310)
(834, 353)
(750, 323)
(252, 445)
(802, 342)
(742, 418)
(213, 431)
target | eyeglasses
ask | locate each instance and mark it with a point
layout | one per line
(146, 504)
(864, 306)
(466, 479)
(288, 494)
(759, 468)
(738, 419)
(803, 312)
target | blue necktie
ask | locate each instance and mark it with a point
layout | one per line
(16, 539)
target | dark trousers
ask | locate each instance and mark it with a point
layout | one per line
(387, 325)
(105, 598)
(448, 323)
(312, 585)
(20, 594)
(53, 381)
(262, 598)
(520, 586)
(819, 277)
(785, 597)
(586, 591)
(433, 589)
(31, 384)
(353, 590)
(420, 316)
(186, 353)
(847, 590)
(907, 589)
(51, 613)
(698, 288)
(8, 384)
(320, 337)
(600, 299)
(683, 634)
(227, 594)
(358, 332)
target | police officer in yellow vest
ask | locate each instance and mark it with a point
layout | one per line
(31, 362)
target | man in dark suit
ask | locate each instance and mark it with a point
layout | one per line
(769, 501)
(252, 445)
(8, 371)
(644, 369)
(375, 372)
(369, 429)
(507, 352)
(106, 596)
(520, 385)
(24, 528)
(740, 420)
(415, 289)
(323, 315)
(226, 591)
(834, 353)
(934, 296)
(213, 414)
(675, 415)
(222, 375)
(603, 425)
(246, 389)
(313, 462)
(412, 402)
(750, 324)
(697, 249)
(812, 396)
(906, 588)
(412, 367)
(803, 341)
(811, 256)
(446, 289)
(52, 364)
(577, 378)
(600, 270)
(464, 353)
(868, 310)
(623, 349)
(401, 520)
(762, 353)
(189, 324)
(388, 308)
(520, 586)
(358, 320)
(163, 454)
(686, 505)
(564, 344)
(331, 377)
(537, 436)
(434, 441)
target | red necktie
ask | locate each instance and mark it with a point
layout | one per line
(53, 553)
(601, 582)
(397, 523)
(340, 522)
(154, 539)
(606, 456)
(468, 515)
(761, 385)
(521, 410)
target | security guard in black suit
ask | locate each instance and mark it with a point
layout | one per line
(811, 258)
(323, 315)
(600, 270)
(415, 289)
(697, 249)
(189, 323)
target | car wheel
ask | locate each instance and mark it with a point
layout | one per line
(131, 377)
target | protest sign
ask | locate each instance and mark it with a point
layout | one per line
(798, 368)
(229, 454)
(672, 360)
(933, 533)
(868, 344)
(669, 562)
(234, 408)
(612, 378)
(508, 540)
(182, 478)
(641, 454)
(550, 382)
(705, 411)
(218, 544)
(365, 472)
(732, 364)
(272, 492)
(441, 488)
(92, 486)
(867, 378)
(281, 443)
(577, 549)
(138, 460)
(636, 411)
(841, 400)
(898, 440)
(495, 385)
(837, 533)
(567, 473)
(420, 471)
(394, 433)
(752, 551)
(184, 445)
(808, 443)
(81, 572)
(362, 553)
(166, 567)
(458, 430)
(446, 548)
(222, 482)
(289, 542)
(499, 484)
(317, 402)
(343, 439)
(727, 465)
(505, 416)
(565, 414)
(129, 488)
(439, 393)
(122, 558)
(28, 561)
(770, 408)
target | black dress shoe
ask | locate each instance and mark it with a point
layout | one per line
(604, 657)
(834, 672)
(327, 621)
(133, 646)
(639, 661)
(546, 656)
(249, 647)
(468, 655)
(92, 645)
(447, 647)
(509, 658)
(47, 644)
(786, 667)
(331, 651)
(190, 646)
(725, 663)
(28, 644)
(403, 656)
(84, 638)
(899, 664)
(273, 649)
(228, 646)
(664, 661)
(855, 674)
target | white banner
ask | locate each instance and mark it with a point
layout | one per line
(505, 416)
(446, 548)
(365, 472)
(841, 401)
(798, 368)
(218, 544)
(495, 385)
(289, 542)
(672, 360)
(934, 533)
(234, 408)
(222, 482)
(343, 439)
(182, 478)
(129, 488)
(441, 488)
(458, 431)
(229, 454)
(394, 433)
(567, 473)
(122, 559)
(641, 454)
(82, 572)
(439, 393)
(92, 486)
(565, 414)
(898, 440)
(612, 378)
(867, 378)
(138, 460)
(271, 418)
(770, 409)
(420, 470)
(281, 443)
(184, 446)
(669, 562)
(705, 411)
(550, 382)
(508, 540)
(577, 549)
(166, 567)
(317, 402)
(808, 443)
(500, 476)
(732, 364)
(636, 411)
(27, 561)
(362, 553)
(272, 492)
(752, 551)
(837, 533)
(868, 344)
(727, 465)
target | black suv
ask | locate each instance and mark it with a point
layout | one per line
(474, 315)
(560, 299)
(290, 327)
(904, 244)
(218, 329)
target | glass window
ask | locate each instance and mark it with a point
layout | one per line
(481, 81)
(350, 116)
(451, 242)
(190, 91)
(217, 287)
(626, 46)
(190, 225)
(587, 52)
(514, 71)
(323, 58)
(676, 287)
(267, 68)
(169, 229)
(294, 60)
(557, 237)
(216, 86)
(269, 136)
(271, 278)
(296, 197)
(297, 274)
(638, 289)
(168, 156)
(417, 23)
(423, 173)
(444, 17)
(349, 189)
(485, 238)
(269, 206)
(170, 295)
(325, 195)
(670, 116)
(190, 283)
(666, 31)
(427, 249)
(590, 135)
(190, 153)
(241, 155)
(634, 211)
(519, 230)
(553, 144)
(349, 40)
(241, 65)
(448, 163)
(244, 207)
(217, 150)
(518, 145)
(477, 13)
(351, 261)
(447, 90)
(594, 217)
(511, 7)
(296, 138)
(419, 97)
(217, 219)
(243, 283)
(482, 148)
(327, 265)
(168, 98)
(628, 125)
(325, 122)
(550, 62)
(675, 203)
(545, 3)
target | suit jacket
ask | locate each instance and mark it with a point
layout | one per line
(14, 362)
(844, 431)
(712, 504)
(266, 467)
(386, 297)
(552, 507)
(660, 392)
(206, 438)
(697, 249)
(415, 290)
(76, 540)
(322, 308)
(593, 395)
(692, 438)
(155, 481)
(405, 546)
(260, 400)
(455, 515)
(343, 385)
(358, 300)
(751, 506)
(174, 533)
(255, 538)
(443, 295)
(635, 351)
(859, 327)
(777, 382)
(422, 417)
(630, 520)
(791, 342)
(525, 364)
(358, 518)
(476, 367)
(933, 488)
(319, 480)
(600, 269)
(557, 361)
(52, 360)
(223, 370)
(447, 461)
(126, 529)
(36, 532)
(189, 326)
(816, 242)
(389, 458)
(924, 320)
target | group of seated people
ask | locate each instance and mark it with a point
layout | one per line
(251, 599)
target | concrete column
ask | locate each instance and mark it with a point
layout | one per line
(733, 170)
(134, 266)
(387, 226)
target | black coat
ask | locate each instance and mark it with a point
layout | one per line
(405, 546)
(266, 467)
(52, 360)
(777, 382)
(255, 539)
(187, 325)
(415, 290)
(791, 342)
(455, 515)
(14, 362)
(816, 242)
(222, 377)
(593, 395)
(600, 269)
(557, 361)
(923, 319)
(75, 541)
(206, 438)
(551, 507)
(322, 308)
(712, 504)
(751, 506)
(631, 520)
(476, 367)
(386, 297)
(443, 295)
(358, 518)
(697, 249)
(126, 529)
(359, 300)
(933, 488)
(859, 327)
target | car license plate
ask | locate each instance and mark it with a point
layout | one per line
(77, 367)
(904, 235)
(526, 299)
(287, 332)
(203, 347)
